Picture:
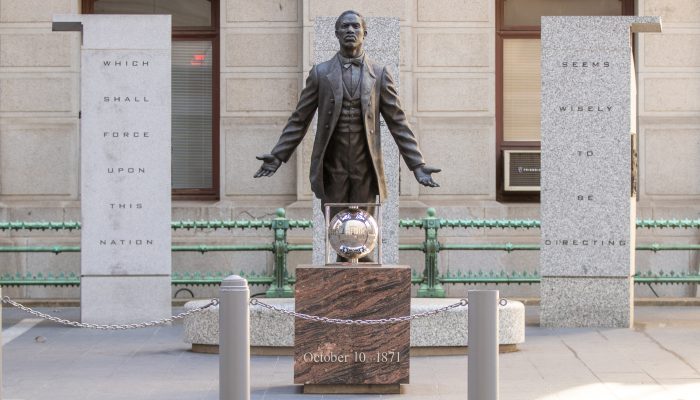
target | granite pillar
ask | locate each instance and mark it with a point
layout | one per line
(125, 166)
(334, 354)
(381, 45)
(588, 199)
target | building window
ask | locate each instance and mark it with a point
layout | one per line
(195, 88)
(518, 73)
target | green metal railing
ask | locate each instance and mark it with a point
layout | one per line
(432, 283)
(39, 279)
(280, 282)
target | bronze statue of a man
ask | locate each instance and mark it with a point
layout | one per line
(349, 91)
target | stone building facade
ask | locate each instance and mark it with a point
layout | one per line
(449, 86)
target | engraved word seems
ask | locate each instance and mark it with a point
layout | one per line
(584, 64)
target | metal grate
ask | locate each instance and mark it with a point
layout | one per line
(522, 170)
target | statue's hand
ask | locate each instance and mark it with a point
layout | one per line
(270, 165)
(423, 177)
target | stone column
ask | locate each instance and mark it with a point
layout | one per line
(588, 200)
(382, 46)
(125, 166)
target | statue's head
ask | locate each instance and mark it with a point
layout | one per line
(350, 29)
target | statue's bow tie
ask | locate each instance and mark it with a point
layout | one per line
(354, 61)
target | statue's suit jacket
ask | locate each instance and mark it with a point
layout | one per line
(324, 91)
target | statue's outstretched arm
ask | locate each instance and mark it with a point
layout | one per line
(294, 130)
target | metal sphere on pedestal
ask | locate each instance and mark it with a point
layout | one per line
(353, 233)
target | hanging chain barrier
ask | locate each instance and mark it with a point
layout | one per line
(253, 301)
(383, 321)
(8, 300)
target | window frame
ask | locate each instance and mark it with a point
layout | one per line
(202, 33)
(504, 31)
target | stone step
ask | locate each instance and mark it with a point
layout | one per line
(272, 329)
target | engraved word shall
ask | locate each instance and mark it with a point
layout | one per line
(126, 99)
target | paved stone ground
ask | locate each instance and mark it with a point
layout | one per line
(659, 359)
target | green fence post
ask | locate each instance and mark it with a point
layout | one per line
(280, 284)
(431, 286)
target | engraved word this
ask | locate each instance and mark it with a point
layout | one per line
(125, 206)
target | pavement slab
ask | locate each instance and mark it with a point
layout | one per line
(659, 359)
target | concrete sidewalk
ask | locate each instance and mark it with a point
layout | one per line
(659, 359)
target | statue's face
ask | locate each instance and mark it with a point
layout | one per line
(350, 33)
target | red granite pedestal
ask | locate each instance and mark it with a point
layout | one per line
(331, 358)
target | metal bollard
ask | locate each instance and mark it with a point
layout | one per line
(234, 339)
(0, 346)
(482, 380)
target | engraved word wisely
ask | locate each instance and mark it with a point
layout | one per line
(572, 108)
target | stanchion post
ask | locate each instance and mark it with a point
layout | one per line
(234, 339)
(280, 284)
(431, 286)
(482, 381)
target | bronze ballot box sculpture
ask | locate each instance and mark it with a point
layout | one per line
(350, 92)
(352, 233)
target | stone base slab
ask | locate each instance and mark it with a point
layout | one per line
(206, 348)
(455, 350)
(587, 302)
(270, 329)
(124, 299)
(352, 389)
(269, 351)
(415, 351)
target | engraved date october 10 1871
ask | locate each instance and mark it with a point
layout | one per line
(355, 356)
